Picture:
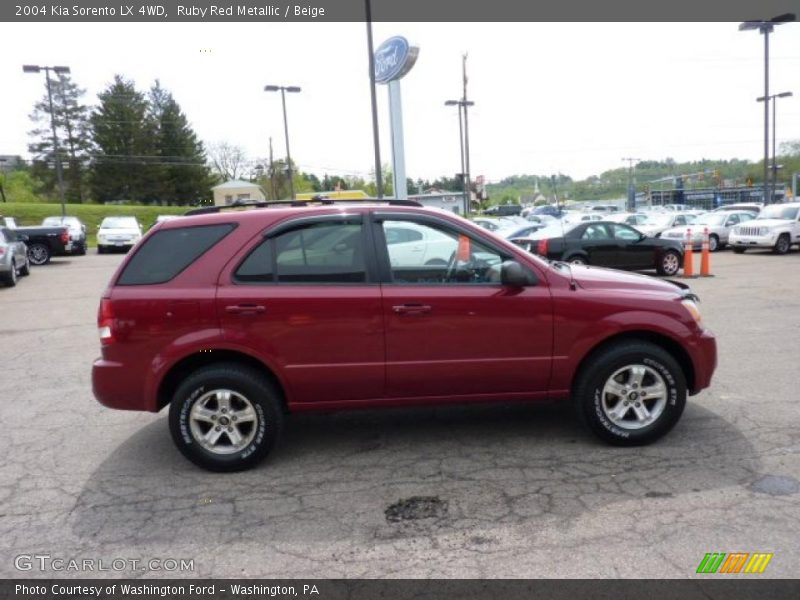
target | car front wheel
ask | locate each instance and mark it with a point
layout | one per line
(225, 417)
(669, 264)
(631, 393)
(782, 245)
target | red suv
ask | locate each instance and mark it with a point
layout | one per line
(236, 318)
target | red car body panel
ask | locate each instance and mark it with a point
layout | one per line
(346, 346)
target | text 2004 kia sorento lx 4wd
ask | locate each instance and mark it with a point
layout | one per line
(235, 318)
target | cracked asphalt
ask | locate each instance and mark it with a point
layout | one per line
(516, 491)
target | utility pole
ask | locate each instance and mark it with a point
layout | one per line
(465, 103)
(632, 183)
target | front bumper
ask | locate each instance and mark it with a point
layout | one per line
(704, 357)
(753, 241)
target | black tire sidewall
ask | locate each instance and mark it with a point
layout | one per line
(588, 396)
(251, 385)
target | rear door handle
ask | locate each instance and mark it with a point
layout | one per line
(245, 309)
(411, 309)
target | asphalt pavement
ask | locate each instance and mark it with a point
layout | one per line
(513, 491)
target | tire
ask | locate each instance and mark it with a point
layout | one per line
(10, 279)
(26, 268)
(612, 372)
(81, 250)
(669, 264)
(249, 393)
(577, 260)
(739, 250)
(101, 249)
(38, 254)
(713, 243)
(782, 245)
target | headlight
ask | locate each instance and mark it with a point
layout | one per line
(693, 309)
(763, 230)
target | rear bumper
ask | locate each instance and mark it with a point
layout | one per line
(704, 357)
(114, 386)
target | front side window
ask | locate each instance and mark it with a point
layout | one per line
(439, 255)
(626, 233)
(323, 252)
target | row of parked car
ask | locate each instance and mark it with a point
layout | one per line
(648, 240)
(22, 247)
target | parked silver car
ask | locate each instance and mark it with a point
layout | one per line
(719, 225)
(13, 256)
(657, 223)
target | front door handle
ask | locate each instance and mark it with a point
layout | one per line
(245, 309)
(411, 309)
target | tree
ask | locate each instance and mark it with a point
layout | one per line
(228, 161)
(183, 176)
(71, 118)
(124, 166)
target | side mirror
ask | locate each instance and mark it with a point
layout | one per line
(514, 274)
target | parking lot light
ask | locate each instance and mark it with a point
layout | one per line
(56, 155)
(292, 89)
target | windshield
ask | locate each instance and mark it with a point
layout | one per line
(711, 219)
(119, 223)
(54, 221)
(658, 220)
(777, 211)
(554, 229)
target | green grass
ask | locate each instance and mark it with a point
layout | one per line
(90, 214)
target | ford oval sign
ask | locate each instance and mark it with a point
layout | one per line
(393, 59)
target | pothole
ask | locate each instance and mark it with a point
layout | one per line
(776, 485)
(416, 508)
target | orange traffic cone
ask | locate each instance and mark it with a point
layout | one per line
(688, 256)
(705, 257)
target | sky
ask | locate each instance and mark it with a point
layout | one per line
(573, 98)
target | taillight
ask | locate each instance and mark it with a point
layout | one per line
(541, 247)
(2, 250)
(65, 236)
(105, 321)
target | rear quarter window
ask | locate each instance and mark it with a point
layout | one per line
(168, 252)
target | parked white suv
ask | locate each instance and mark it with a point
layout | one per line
(777, 227)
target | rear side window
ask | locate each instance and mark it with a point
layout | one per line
(323, 252)
(168, 252)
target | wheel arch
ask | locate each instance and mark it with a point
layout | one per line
(657, 339)
(184, 367)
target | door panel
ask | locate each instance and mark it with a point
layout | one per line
(455, 331)
(303, 299)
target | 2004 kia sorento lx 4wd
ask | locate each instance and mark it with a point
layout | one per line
(235, 318)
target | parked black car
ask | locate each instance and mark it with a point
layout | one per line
(504, 210)
(605, 244)
(46, 242)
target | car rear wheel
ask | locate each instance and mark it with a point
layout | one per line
(577, 260)
(25, 269)
(225, 417)
(669, 264)
(38, 254)
(631, 393)
(713, 243)
(782, 245)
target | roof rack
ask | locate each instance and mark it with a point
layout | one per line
(317, 200)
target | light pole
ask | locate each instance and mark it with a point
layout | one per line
(632, 183)
(766, 27)
(768, 99)
(56, 153)
(283, 90)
